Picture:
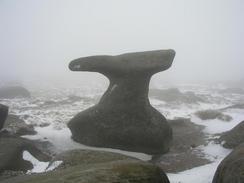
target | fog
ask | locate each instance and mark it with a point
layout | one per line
(39, 38)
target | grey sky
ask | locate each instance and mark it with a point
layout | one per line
(39, 38)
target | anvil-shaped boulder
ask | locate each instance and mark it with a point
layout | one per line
(124, 118)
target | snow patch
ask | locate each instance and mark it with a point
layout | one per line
(39, 166)
(62, 141)
(218, 126)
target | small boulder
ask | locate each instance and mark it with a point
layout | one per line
(231, 169)
(14, 92)
(3, 115)
(234, 137)
(213, 114)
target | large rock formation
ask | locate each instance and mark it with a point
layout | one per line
(3, 115)
(124, 118)
(231, 169)
(84, 166)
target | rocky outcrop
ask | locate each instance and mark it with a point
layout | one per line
(11, 153)
(3, 115)
(213, 114)
(234, 137)
(82, 166)
(231, 169)
(17, 126)
(175, 95)
(14, 92)
(124, 118)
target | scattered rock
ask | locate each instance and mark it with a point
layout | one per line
(234, 137)
(213, 114)
(124, 118)
(174, 95)
(3, 115)
(231, 169)
(17, 126)
(233, 91)
(236, 106)
(70, 100)
(183, 154)
(83, 166)
(14, 92)
(74, 98)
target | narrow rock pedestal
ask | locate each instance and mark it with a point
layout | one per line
(124, 118)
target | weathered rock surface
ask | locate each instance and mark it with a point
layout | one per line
(3, 115)
(175, 95)
(14, 92)
(11, 153)
(83, 166)
(213, 114)
(124, 118)
(231, 169)
(183, 154)
(17, 126)
(234, 137)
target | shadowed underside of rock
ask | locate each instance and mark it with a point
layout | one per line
(124, 118)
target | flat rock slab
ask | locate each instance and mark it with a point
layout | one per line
(183, 154)
(81, 166)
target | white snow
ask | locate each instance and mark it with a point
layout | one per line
(39, 166)
(214, 152)
(202, 174)
(218, 126)
(54, 165)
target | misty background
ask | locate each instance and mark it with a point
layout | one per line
(38, 39)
